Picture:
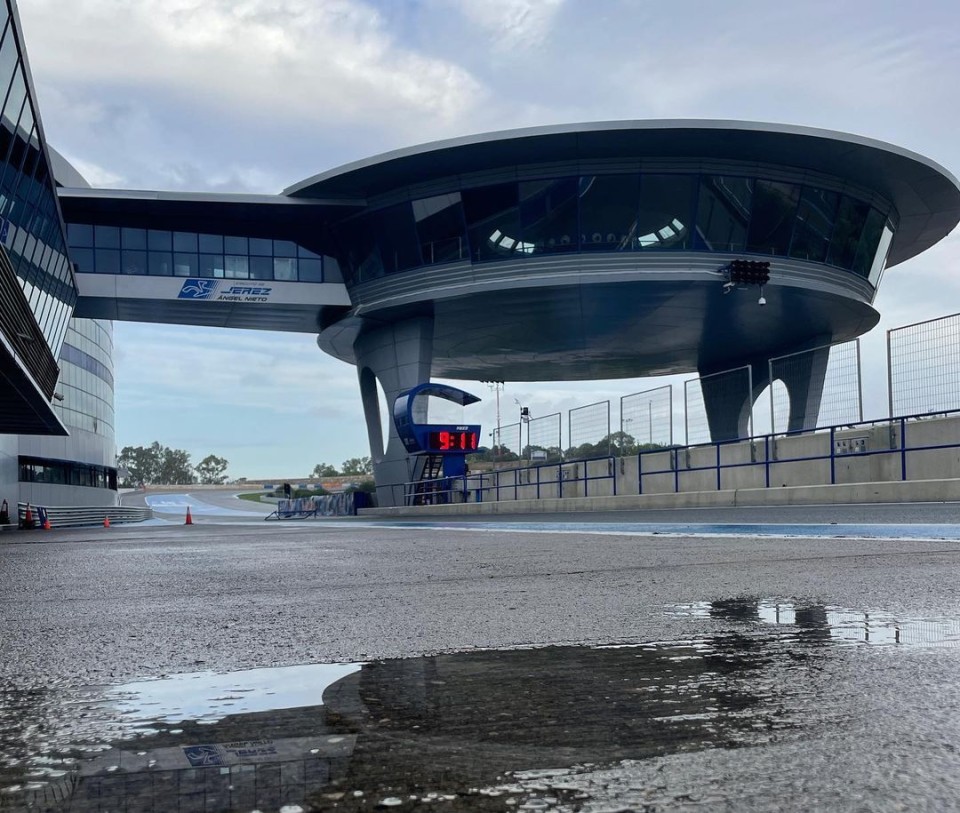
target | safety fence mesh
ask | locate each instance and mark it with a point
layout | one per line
(543, 438)
(923, 366)
(841, 400)
(588, 431)
(506, 441)
(646, 419)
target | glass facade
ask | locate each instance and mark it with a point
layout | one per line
(116, 250)
(86, 380)
(66, 473)
(31, 229)
(633, 212)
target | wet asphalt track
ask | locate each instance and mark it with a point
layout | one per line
(804, 713)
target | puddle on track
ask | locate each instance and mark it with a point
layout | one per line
(486, 730)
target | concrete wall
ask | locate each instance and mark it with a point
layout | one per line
(799, 470)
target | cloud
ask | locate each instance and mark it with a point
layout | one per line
(513, 24)
(331, 62)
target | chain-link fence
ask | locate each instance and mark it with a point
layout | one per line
(731, 395)
(543, 438)
(588, 433)
(923, 366)
(646, 419)
(841, 392)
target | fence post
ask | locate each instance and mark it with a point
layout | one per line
(718, 467)
(639, 472)
(766, 459)
(833, 455)
(903, 448)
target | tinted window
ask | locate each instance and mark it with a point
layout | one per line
(134, 262)
(813, 226)
(608, 212)
(108, 261)
(107, 237)
(185, 265)
(159, 240)
(184, 241)
(666, 211)
(851, 217)
(440, 228)
(79, 235)
(548, 215)
(134, 238)
(261, 268)
(774, 210)
(161, 263)
(723, 212)
(869, 240)
(310, 270)
(493, 222)
(399, 248)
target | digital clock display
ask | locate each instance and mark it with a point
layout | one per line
(451, 441)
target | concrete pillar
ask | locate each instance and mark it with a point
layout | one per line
(803, 377)
(728, 399)
(398, 355)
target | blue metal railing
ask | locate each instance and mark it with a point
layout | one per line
(506, 484)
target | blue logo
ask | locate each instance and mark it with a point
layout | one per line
(198, 289)
(203, 756)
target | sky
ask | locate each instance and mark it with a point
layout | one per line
(254, 95)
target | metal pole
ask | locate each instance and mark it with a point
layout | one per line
(773, 417)
(859, 385)
(889, 376)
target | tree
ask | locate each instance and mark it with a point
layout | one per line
(212, 470)
(324, 470)
(175, 468)
(357, 465)
(155, 464)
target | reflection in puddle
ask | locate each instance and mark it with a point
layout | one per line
(838, 624)
(480, 730)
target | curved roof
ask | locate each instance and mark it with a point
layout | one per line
(925, 194)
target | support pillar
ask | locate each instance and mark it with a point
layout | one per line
(728, 401)
(398, 355)
(804, 379)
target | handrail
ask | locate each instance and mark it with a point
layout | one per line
(80, 516)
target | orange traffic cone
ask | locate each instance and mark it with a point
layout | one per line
(106, 522)
(46, 524)
(28, 517)
(189, 520)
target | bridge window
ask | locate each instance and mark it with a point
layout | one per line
(235, 245)
(185, 265)
(185, 241)
(107, 237)
(160, 263)
(79, 235)
(211, 265)
(159, 240)
(108, 260)
(235, 266)
(134, 239)
(261, 267)
(284, 268)
(211, 243)
(260, 247)
(134, 262)
(310, 270)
